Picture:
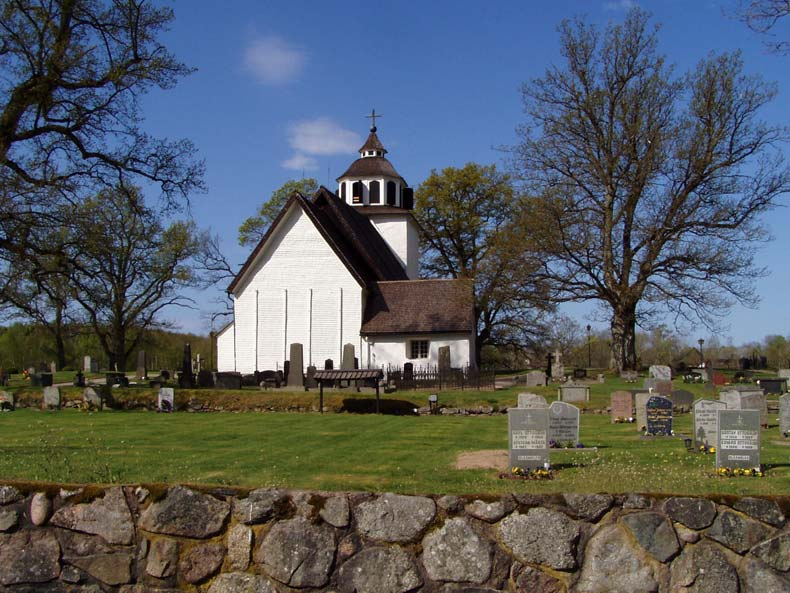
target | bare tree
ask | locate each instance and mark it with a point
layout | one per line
(647, 185)
(763, 16)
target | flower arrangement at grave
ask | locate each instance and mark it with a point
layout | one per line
(565, 444)
(706, 449)
(531, 474)
(734, 472)
(624, 420)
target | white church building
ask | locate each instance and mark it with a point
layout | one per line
(342, 268)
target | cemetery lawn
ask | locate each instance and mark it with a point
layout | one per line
(353, 452)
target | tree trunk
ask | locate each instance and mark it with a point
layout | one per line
(624, 338)
(118, 354)
(60, 343)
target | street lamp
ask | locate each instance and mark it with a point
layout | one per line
(589, 347)
(701, 355)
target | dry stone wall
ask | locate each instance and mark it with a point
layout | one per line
(134, 539)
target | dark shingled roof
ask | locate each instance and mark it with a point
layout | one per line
(419, 306)
(373, 143)
(371, 166)
(350, 235)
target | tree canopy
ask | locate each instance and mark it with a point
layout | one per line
(467, 216)
(646, 185)
(252, 230)
(763, 16)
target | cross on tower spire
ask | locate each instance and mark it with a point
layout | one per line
(372, 117)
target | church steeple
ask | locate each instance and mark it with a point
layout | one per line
(371, 180)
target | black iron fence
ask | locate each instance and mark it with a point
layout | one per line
(431, 377)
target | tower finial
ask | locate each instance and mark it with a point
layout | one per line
(372, 117)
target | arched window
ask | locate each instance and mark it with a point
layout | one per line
(374, 192)
(343, 191)
(391, 193)
(357, 192)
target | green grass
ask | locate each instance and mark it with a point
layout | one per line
(350, 452)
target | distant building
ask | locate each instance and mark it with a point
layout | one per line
(343, 268)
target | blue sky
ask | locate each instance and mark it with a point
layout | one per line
(282, 88)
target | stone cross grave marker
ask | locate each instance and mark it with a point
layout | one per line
(557, 368)
(563, 423)
(296, 368)
(51, 397)
(706, 421)
(661, 372)
(347, 362)
(531, 400)
(641, 410)
(658, 412)
(738, 445)
(166, 401)
(574, 393)
(746, 398)
(682, 399)
(7, 401)
(784, 415)
(536, 379)
(528, 432)
(622, 405)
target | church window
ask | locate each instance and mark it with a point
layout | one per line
(375, 192)
(343, 191)
(391, 193)
(418, 349)
(356, 192)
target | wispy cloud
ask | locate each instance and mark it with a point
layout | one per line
(619, 5)
(320, 136)
(300, 162)
(272, 60)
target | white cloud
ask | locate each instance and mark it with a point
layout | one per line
(619, 5)
(300, 162)
(322, 136)
(272, 60)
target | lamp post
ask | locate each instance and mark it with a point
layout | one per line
(701, 355)
(589, 347)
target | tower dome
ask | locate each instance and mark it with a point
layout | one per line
(371, 180)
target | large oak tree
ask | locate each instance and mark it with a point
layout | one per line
(648, 185)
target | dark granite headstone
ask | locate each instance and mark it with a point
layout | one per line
(166, 401)
(348, 357)
(116, 379)
(658, 413)
(563, 423)
(46, 379)
(205, 379)
(738, 445)
(784, 415)
(310, 381)
(622, 405)
(773, 385)
(296, 369)
(286, 371)
(706, 421)
(142, 366)
(329, 364)
(528, 432)
(682, 399)
(579, 373)
(408, 372)
(227, 380)
(186, 380)
(79, 380)
(444, 359)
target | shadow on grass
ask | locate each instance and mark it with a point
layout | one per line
(392, 407)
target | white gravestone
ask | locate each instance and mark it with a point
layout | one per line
(166, 401)
(536, 379)
(563, 423)
(661, 372)
(784, 415)
(531, 400)
(574, 393)
(52, 397)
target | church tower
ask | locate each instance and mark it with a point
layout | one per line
(373, 186)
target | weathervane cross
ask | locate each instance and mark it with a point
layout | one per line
(372, 117)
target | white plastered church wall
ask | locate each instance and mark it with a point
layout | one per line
(225, 339)
(394, 349)
(402, 237)
(297, 291)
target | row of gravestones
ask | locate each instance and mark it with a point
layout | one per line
(535, 426)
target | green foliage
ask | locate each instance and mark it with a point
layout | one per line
(252, 230)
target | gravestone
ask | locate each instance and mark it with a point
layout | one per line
(663, 387)
(601, 378)
(641, 410)
(661, 372)
(53, 368)
(784, 415)
(329, 364)
(649, 383)
(557, 368)
(227, 380)
(773, 385)
(706, 421)
(7, 401)
(746, 398)
(704, 374)
(528, 432)
(658, 412)
(408, 372)
(90, 397)
(186, 379)
(86, 364)
(205, 379)
(536, 379)
(738, 445)
(574, 393)
(629, 376)
(563, 423)
(719, 379)
(310, 381)
(444, 359)
(142, 366)
(784, 373)
(296, 368)
(348, 357)
(166, 401)
(622, 405)
(579, 373)
(51, 397)
(79, 380)
(682, 399)
(531, 400)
